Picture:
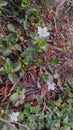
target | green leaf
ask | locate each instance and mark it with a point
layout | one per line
(1, 36)
(21, 127)
(5, 11)
(10, 27)
(66, 119)
(2, 71)
(18, 47)
(25, 24)
(65, 128)
(25, 1)
(6, 51)
(4, 127)
(55, 60)
(32, 10)
(54, 128)
(8, 61)
(27, 109)
(45, 77)
(11, 77)
(16, 66)
(12, 39)
(70, 101)
(38, 62)
(29, 54)
(42, 43)
(7, 68)
(14, 97)
(17, 103)
(56, 75)
(57, 125)
(50, 77)
(20, 98)
(3, 3)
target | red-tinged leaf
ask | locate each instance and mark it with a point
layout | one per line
(34, 103)
(5, 90)
(65, 18)
(31, 67)
(51, 52)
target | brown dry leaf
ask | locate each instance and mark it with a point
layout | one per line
(44, 91)
(34, 103)
(30, 97)
(6, 89)
(60, 43)
(51, 51)
(38, 85)
(33, 67)
(65, 18)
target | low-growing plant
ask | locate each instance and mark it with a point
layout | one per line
(26, 68)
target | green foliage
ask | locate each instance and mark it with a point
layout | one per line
(38, 62)
(25, 1)
(55, 60)
(19, 49)
(29, 54)
(5, 125)
(3, 3)
(47, 77)
(18, 98)
(56, 113)
(11, 27)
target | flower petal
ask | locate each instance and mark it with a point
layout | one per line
(43, 32)
(39, 30)
(14, 116)
(51, 86)
(17, 113)
(44, 29)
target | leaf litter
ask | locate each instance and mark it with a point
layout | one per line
(47, 79)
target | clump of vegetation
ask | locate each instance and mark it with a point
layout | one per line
(36, 67)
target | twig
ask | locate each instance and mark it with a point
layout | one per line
(10, 90)
(22, 125)
(7, 122)
(67, 9)
(55, 48)
(54, 21)
(44, 106)
(12, 126)
(59, 7)
(60, 49)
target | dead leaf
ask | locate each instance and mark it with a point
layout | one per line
(44, 90)
(38, 85)
(34, 103)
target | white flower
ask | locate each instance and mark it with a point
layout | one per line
(43, 32)
(51, 86)
(14, 116)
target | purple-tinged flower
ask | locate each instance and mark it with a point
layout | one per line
(43, 33)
